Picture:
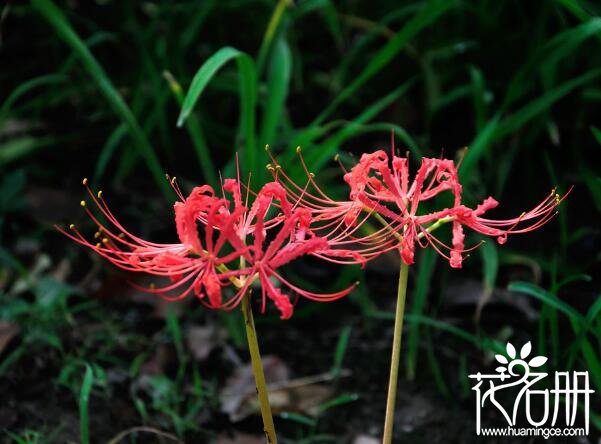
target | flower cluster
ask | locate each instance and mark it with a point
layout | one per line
(228, 241)
(223, 241)
(381, 188)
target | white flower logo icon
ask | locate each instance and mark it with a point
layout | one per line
(536, 361)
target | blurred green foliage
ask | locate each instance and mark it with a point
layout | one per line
(126, 91)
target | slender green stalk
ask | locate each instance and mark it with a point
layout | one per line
(257, 367)
(396, 352)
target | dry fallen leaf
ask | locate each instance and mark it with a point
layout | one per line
(202, 340)
(300, 398)
(238, 398)
(40, 266)
(8, 331)
(365, 439)
(302, 395)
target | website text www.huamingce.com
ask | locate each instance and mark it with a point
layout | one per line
(532, 431)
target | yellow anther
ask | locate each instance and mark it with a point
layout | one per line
(336, 157)
(311, 175)
(84, 181)
(72, 226)
(105, 240)
(98, 245)
(97, 235)
(173, 179)
(266, 147)
(298, 149)
(121, 235)
(82, 203)
(151, 286)
(269, 167)
(100, 194)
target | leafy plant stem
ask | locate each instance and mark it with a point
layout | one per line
(257, 367)
(396, 351)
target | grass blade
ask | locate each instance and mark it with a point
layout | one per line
(18, 148)
(426, 16)
(59, 22)
(107, 151)
(84, 398)
(27, 86)
(325, 151)
(277, 90)
(341, 347)
(248, 93)
(202, 78)
(427, 262)
(496, 129)
(270, 32)
(483, 343)
(196, 134)
(542, 104)
(597, 133)
(478, 148)
(547, 298)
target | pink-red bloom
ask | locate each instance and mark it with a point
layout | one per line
(382, 188)
(383, 185)
(228, 241)
(238, 245)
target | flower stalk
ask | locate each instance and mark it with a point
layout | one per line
(396, 352)
(257, 367)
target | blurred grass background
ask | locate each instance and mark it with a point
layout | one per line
(123, 92)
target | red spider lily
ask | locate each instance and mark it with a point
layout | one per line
(382, 186)
(293, 239)
(339, 221)
(233, 249)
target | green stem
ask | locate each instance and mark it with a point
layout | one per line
(396, 352)
(257, 367)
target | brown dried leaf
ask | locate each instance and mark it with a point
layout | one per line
(8, 331)
(202, 340)
(365, 439)
(302, 395)
(61, 271)
(238, 398)
(40, 266)
(302, 399)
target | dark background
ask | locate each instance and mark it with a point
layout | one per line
(87, 90)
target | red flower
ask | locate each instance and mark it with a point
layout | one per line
(233, 248)
(339, 221)
(382, 185)
(292, 239)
